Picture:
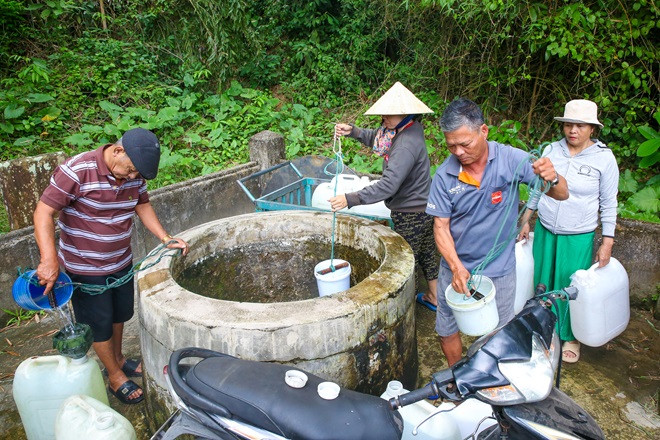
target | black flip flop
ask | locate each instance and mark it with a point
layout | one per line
(125, 390)
(129, 367)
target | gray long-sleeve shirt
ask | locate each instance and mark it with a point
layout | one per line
(406, 172)
(593, 181)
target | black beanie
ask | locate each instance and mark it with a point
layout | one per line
(143, 149)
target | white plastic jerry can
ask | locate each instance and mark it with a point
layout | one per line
(85, 418)
(346, 183)
(602, 309)
(524, 272)
(42, 383)
(439, 427)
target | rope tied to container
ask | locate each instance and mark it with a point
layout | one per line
(339, 160)
(111, 282)
(536, 188)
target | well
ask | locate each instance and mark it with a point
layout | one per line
(256, 299)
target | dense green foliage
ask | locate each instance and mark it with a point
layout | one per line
(207, 75)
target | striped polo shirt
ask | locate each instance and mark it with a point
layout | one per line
(96, 215)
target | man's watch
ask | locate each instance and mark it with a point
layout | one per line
(555, 181)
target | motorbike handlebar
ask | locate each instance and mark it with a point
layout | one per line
(414, 396)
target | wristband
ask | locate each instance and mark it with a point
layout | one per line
(166, 238)
(555, 181)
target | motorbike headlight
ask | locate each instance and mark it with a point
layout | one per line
(530, 380)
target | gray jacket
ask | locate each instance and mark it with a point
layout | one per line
(593, 181)
(406, 172)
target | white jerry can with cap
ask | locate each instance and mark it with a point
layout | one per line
(347, 183)
(42, 383)
(602, 309)
(85, 418)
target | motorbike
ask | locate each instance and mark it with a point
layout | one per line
(512, 369)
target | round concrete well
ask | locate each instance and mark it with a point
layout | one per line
(251, 293)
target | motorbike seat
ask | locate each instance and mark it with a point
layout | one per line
(256, 393)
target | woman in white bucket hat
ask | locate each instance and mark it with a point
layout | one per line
(564, 230)
(406, 177)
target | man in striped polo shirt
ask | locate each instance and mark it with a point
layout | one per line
(96, 195)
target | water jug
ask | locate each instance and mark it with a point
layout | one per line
(84, 418)
(524, 272)
(439, 427)
(347, 183)
(602, 309)
(42, 383)
(375, 209)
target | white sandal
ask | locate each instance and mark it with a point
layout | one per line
(572, 347)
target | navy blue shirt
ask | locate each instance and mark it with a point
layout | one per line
(476, 213)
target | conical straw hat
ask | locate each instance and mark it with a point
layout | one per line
(398, 100)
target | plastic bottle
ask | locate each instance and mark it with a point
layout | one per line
(85, 418)
(42, 383)
(439, 427)
(602, 309)
(524, 272)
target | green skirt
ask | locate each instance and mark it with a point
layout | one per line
(556, 258)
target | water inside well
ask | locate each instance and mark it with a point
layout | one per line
(274, 271)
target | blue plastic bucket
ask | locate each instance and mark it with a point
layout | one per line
(31, 297)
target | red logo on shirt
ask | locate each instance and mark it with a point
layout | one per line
(496, 197)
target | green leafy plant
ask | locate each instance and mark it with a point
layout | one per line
(18, 316)
(649, 150)
(640, 201)
(206, 76)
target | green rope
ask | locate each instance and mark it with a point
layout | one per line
(536, 188)
(111, 282)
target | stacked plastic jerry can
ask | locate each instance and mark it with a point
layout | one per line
(347, 183)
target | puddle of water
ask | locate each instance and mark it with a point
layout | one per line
(267, 272)
(631, 360)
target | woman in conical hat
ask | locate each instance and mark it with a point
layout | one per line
(406, 177)
(564, 231)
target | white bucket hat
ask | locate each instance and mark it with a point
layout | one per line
(398, 100)
(580, 111)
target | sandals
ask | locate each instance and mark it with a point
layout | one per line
(125, 390)
(420, 299)
(572, 347)
(129, 367)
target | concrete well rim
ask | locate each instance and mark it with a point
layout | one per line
(388, 273)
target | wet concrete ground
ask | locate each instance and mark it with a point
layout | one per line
(617, 383)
